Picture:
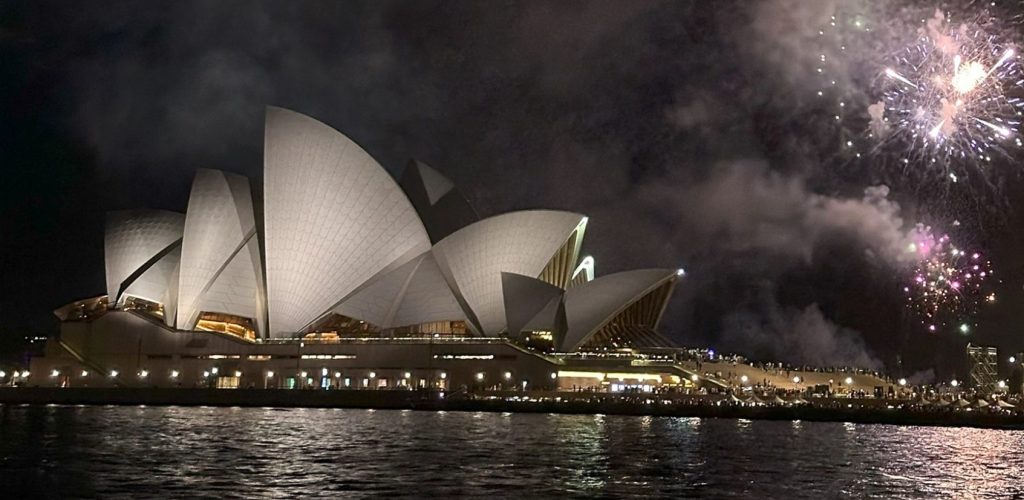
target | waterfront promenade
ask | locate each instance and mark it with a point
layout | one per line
(855, 410)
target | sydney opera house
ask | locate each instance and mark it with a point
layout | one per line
(331, 275)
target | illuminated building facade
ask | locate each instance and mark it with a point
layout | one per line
(984, 367)
(341, 277)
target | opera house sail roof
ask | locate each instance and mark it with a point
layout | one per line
(339, 237)
(335, 220)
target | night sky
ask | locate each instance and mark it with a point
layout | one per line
(687, 131)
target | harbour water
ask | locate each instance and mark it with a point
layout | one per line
(102, 451)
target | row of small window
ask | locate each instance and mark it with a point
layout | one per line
(304, 375)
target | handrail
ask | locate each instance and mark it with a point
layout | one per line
(713, 380)
(81, 358)
(543, 356)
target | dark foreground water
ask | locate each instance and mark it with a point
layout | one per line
(222, 452)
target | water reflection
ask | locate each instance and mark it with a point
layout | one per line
(171, 451)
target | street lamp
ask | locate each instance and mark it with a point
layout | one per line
(796, 380)
(174, 373)
(479, 375)
(238, 374)
(508, 375)
(444, 375)
(214, 370)
(694, 377)
(954, 383)
(744, 379)
(373, 374)
(848, 381)
(1013, 359)
(903, 382)
(54, 374)
(85, 373)
(113, 373)
(1001, 384)
(143, 374)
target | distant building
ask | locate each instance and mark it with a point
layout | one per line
(341, 277)
(983, 367)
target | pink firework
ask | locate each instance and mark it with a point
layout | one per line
(948, 283)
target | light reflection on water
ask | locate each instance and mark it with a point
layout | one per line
(171, 451)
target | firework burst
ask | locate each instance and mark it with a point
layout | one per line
(948, 283)
(953, 98)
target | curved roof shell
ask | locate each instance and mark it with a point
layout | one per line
(584, 272)
(159, 283)
(590, 306)
(414, 293)
(473, 258)
(238, 288)
(427, 297)
(527, 298)
(335, 219)
(134, 243)
(442, 208)
(219, 272)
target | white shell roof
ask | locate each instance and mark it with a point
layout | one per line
(586, 267)
(590, 305)
(434, 183)
(237, 288)
(376, 302)
(427, 297)
(525, 299)
(441, 207)
(412, 294)
(473, 258)
(334, 219)
(133, 239)
(218, 224)
(158, 283)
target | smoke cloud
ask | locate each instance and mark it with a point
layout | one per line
(687, 132)
(744, 206)
(796, 336)
(922, 377)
